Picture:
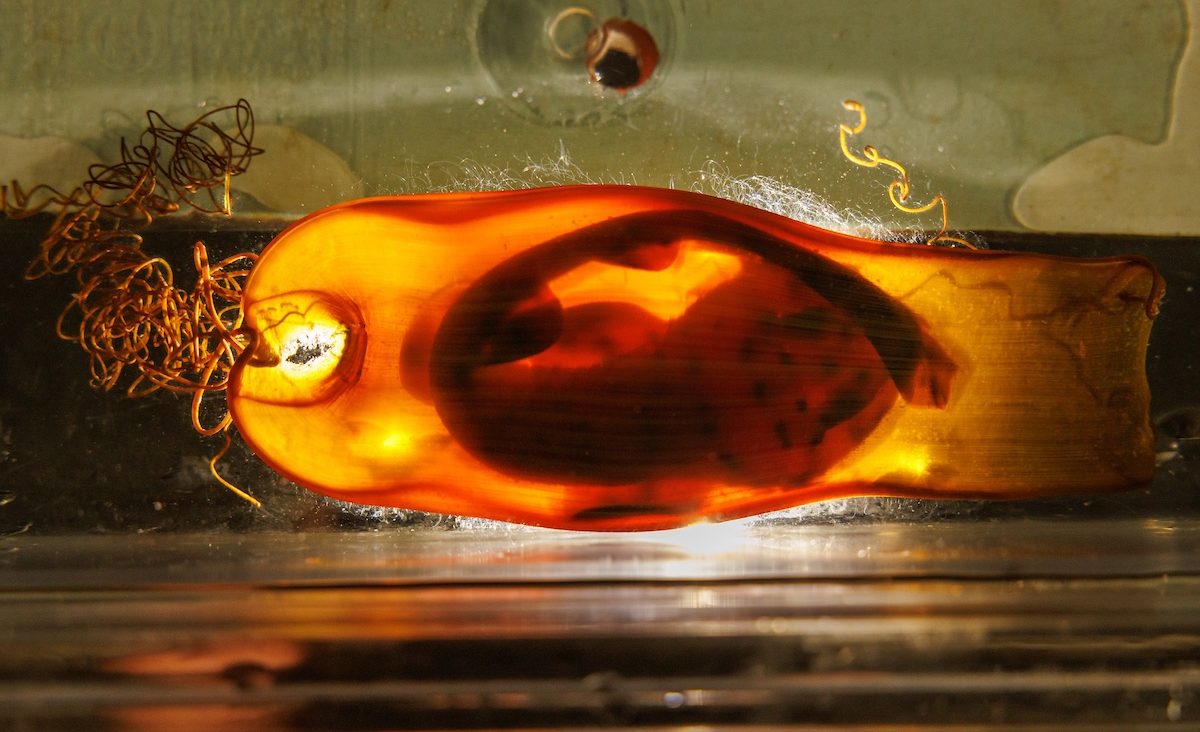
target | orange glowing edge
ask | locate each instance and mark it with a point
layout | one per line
(623, 358)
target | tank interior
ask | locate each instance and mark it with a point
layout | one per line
(138, 593)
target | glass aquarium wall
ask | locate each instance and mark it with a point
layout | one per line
(140, 590)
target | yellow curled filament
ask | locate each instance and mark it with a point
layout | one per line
(900, 189)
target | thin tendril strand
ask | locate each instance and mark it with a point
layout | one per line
(127, 314)
(212, 468)
(552, 30)
(899, 189)
(17, 203)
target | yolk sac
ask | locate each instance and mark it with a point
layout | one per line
(619, 358)
(621, 54)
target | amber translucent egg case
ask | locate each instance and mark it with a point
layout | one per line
(137, 593)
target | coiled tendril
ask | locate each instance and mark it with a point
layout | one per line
(141, 331)
(899, 189)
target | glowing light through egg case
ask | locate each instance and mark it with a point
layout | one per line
(611, 357)
(604, 357)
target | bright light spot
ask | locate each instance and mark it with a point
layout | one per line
(666, 293)
(397, 442)
(312, 350)
(915, 463)
(706, 539)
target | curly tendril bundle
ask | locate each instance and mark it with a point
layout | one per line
(127, 312)
(900, 189)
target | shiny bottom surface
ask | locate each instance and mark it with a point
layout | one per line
(941, 654)
(1013, 624)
